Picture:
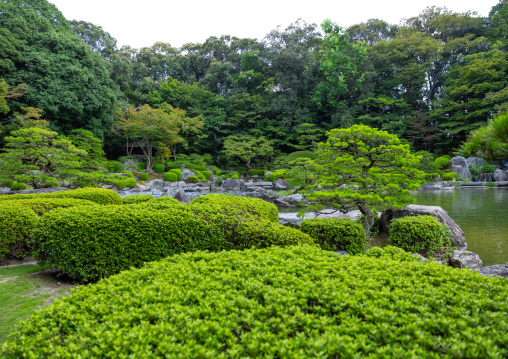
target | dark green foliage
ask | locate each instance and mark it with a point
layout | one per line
(242, 169)
(192, 179)
(18, 186)
(486, 168)
(143, 176)
(295, 302)
(138, 198)
(97, 195)
(158, 168)
(475, 171)
(336, 234)
(127, 182)
(256, 172)
(172, 165)
(114, 166)
(131, 175)
(141, 166)
(423, 234)
(178, 173)
(16, 224)
(170, 176)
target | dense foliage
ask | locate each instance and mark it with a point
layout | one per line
(98, 195)
(276, 302)
(336, 234)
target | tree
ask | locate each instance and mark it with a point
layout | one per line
(360, 167)
(84, 140)
(247, 148)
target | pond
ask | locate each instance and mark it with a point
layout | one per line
(482, 213)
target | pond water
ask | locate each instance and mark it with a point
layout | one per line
(482, 213)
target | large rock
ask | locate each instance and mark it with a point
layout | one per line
(498, 270)
(292, 200)
(457, 237)
(459, 166)
(499, 175)
(233, 184)
(167, 184)
(263, 194)
(504, 164)
(186, 174)
(181, 196)
(475, 161)
(208, 168)
(156, 185)
(130, 165)
(280, 184)
(465, 259)
(216, 181)
(432, 185)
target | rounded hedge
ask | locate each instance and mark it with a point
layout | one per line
(138, 198)
(275, 175)
(449, 176)
(199, 168)
(294, 302)
(16, 224)
(256, 172)
(336, 234)
(141, 166)
(207, 174)
(192, 179)
(114, 166)
(200, 176)
(170, 176)
(158, 168)
(235, 176)
(172, 165)
(423, 234)
(143, 176)
(97, 195)
(18, 186)
(178, 173)
(131, 175)
(216, 170)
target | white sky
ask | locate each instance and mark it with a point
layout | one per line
(142, 23)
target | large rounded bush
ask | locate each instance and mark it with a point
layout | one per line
(143, 176)
(192, 179)
(16, 224)
(200, 176)
(138, 198)
(295, 302)
(336, 234)
(128, 182)
(423, 234)
(170, 176)
(275, 175)
(18, 186)
(158, 168)
(178, 173)
(442, 162)
(97, 195)
(207, 174)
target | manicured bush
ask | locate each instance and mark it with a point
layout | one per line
(143, 176)
(207, 174)
(128, 182)
(16, 224)
(141, 166)
(242, 170)
(235, 176)
(275, 175)
(114, 166)
(223, 177)
(97, 195)
(158, 168)
(422, 234)
(131, 175)
(178, 173)
(294, 302)
(442, 162)
(170, 176)
(449, 176)
(199, 168)
(256, 172)
(41, 206)
(172, 165)
(266, 234)
(192, 179)
(336, 234)
(391, 252)
(216, 170)
(18, 186)
(200, 176)
(138, 198)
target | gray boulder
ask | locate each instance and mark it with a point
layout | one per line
(504, 164)
(181, 196)
(499, 175)
(156, 185)
(168, 184)
(280, 184)
(289, 201)
(130, 165)
(432, 185)
(208, 168)
(292, 219)
(459, 166)
(233, 184)
(263, 194)
(499, 270)
(465, 259)
(186, 174)
(457, 237)
(216, 181)
(475, 161)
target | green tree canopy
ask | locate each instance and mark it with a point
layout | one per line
(247, 148)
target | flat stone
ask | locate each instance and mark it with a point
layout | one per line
(181, 196)
(465, 259)
(156, 185)
(167, 184)
(292, 219)
(431, 185)
(233, 184)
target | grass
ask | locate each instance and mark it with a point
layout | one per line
(29, 287)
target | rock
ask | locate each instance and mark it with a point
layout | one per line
(181, 196)
(216, 181)
(291, 219)
(475, 161)
(180, 184)
(156, 185)
(208, 168)
(268, 173)
(130, 165)
(485, 177)
(186, 174)
(421, 258)
(342, 253)
(502, 183)
(119, 174)
(233, 184)
(263, 194)
(432, 185)
(499, 270)
(260, 184)
(499, 175)
(465, 259)
(167, 184)
(457, 237)
(459, 166)
(36, 191)
(504, 164)
(280, 184)
(289, 201)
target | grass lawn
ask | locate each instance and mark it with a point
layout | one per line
(23, 290)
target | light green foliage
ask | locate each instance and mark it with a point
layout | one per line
(143, 176)
(158, 168)
(207, 174)
(391, 252)
(276, 175)
(126, 182)
(138, 198)
(200, 176)
(361, 167)
(248, 149)
(114, 166)
(178, 173)
(216, 170)
(274, 303)
(448, 175)
(172, 165)
(419, 234)
(235, 176)
(256, 172)
(442, 162)
(131, 175)
(266, 234)
(192, 179)
(170, 176)
(16, 224)
(336, 234)
(18, 186)
(98, 195)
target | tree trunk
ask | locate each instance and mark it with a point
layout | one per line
(369, 218)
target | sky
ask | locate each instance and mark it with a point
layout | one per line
(142, 23)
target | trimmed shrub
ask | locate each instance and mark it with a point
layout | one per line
(18, 186)
(41, 206)
(267, 234)
(200, 176)
(172, 165)
(235, 176)
(16, 224)
(422, 234)
(143, 176)
(275, 175)
(274, 303)
(131, 175)
(449, 176)
(141, 166)
(442, 162)
(192, 179)
(207, 174)
(223, 177)
(138, 198)
(97, 195)
(336, 234)
(242, 170)
(256, 172)
(128, 182)
(178, 173)
(158, 168)
(170, 176)
(199, 168)
(391, 252)
(114, 166)
(216, 170)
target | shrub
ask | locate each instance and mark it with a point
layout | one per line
(97, 195)
(486, 168)
(207, 174)
(242, 169)
(449, 176)
(266, 234)
(235, 176)
(143, 176)
(223, 177)
(114, 166)
(178, 173)
(131, 175)
(18, 186)
(172, 165)
(256, 172)
(200, 176)
(192, 179)
(419, 234)
(158, 168)
(16, 224)
(275, 175)
(199, 167)
(391, 252)
(138, 198)
(216, 170)
(170, 176)
(128, 182)
(141, 166)
(274, 303)
(336, 234)
(442, 162)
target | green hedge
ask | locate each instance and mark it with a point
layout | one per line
(138, 198)
(442, 162)
(336, 234)
(449, 175)
(158, 168)
(18, 186)
(128, 182)
(192, 179)
(207, 174)
(131, 175)
(391, 252)
(200, 176)
(97, 195)
(141, 166)
(256, 172)
(275, 175)
(16, 224)
(294, 302)
(178, 173)
(170, 176)
(172, 165)
(423, 234)
(114, 166)
(143, 176)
